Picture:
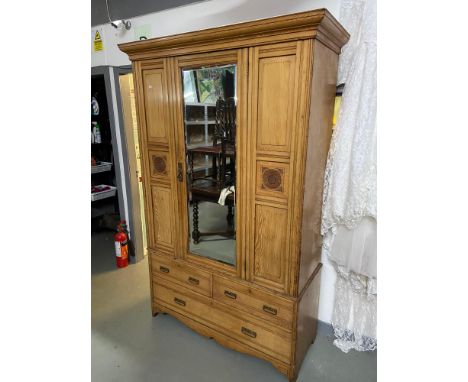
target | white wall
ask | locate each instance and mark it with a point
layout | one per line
(204, 15)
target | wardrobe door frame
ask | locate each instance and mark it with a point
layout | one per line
(165, 149)
(238, 57)
(148, 146)
(287, 159)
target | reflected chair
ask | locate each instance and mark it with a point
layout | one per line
(222, 173)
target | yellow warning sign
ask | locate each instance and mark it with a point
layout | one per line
(98, 42)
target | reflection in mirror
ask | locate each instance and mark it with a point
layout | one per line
(210, 132)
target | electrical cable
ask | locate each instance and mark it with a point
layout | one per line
(108, 15)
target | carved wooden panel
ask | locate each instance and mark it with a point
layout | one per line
(272, 179)
(275, 102)
(155, 104)
(163, 217)
(160, 165)
(270, 257)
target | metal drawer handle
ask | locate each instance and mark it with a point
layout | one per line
(248, 332)
(230, 294)
(163, 269)
(193, 281)
(270, 310)
(179, 301)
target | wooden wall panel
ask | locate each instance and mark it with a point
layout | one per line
(164, 227)
(274, 88)
(155, 94)
(324, 73)
(275, 102)
(157, 145)
(307, 316)
(271, 256)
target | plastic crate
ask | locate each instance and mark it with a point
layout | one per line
(103, 194)
(101, 167)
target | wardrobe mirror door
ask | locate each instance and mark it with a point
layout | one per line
(210, 148)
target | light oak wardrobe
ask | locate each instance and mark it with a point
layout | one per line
(251, 282)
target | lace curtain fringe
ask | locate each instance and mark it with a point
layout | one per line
(355, 312)
(350, 185)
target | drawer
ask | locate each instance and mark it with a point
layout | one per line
(268, 306)
(248, 330)
(194, 279)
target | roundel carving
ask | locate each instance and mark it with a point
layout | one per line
(272, 179)
(159, 164)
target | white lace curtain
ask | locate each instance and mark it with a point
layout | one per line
(349, 222)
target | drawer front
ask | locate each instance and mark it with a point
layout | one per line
(261, 304)
(276, 343)
(194, 279)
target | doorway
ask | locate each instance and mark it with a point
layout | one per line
(129, 113)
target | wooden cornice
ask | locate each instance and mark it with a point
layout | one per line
(318, 24)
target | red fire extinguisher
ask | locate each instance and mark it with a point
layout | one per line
(121, 245)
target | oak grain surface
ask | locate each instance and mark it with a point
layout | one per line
(285, 72)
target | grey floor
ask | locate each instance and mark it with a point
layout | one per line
(130, 345)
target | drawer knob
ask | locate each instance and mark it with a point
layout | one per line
(163, 269)
(179, 301)
(193, 281)
(270, 310)
(248, 332)
(230, 294)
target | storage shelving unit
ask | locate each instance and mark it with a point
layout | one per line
(199, 127)
(103, 173)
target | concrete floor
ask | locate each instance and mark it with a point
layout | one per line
(130, 345)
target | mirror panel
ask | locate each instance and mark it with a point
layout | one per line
(210, 148)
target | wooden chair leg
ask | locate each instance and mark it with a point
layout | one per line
(230, 216)
(214, 168)
(195, 232)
